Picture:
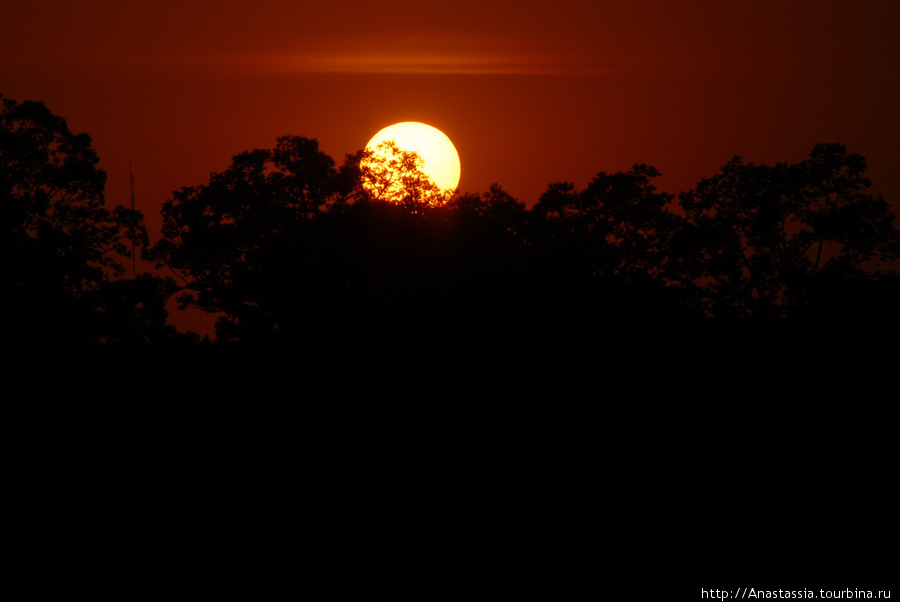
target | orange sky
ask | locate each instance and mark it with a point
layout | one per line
(531, 92)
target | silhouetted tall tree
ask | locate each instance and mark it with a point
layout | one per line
(761, 238)
(61, 246)
(219, 238)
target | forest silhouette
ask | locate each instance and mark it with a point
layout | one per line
(662, 341)
(287, 247)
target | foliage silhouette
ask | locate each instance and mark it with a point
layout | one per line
(279, 270)
(286, 246)
(475, 339)
(394, 175)
(61, 246)
(610, 247)
(495, 206)
(218, 237)
(762, 238)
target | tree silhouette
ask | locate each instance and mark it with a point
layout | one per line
(402, 333)
(132, 312)
(845, 227)
(763, 238)
(491, 256)
(236, 240)
(609, 246)
(620, 216)
(394, 175)
(496, 206)
(61, 245)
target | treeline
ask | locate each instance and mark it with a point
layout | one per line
(290, 249)
(615, 335)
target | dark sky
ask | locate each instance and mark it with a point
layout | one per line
(531, 92)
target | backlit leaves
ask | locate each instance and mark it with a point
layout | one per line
(391, 174)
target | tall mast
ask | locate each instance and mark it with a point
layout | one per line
(133, 222)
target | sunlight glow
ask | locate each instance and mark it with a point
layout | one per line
(441, 161)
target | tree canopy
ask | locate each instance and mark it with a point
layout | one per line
(61, 246)
(365, 322)
(762, 237)
(284, 244)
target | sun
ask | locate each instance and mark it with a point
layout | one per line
(439, 159)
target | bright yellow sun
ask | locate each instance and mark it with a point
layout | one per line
(440, 161)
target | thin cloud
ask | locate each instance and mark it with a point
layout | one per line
(415, 63)
(482, 63)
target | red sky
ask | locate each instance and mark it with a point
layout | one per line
(531, 92)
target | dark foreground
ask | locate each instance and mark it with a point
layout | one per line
(655, 462)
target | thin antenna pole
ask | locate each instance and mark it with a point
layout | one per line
(133, 222)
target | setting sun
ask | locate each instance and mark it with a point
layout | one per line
(440, 161)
